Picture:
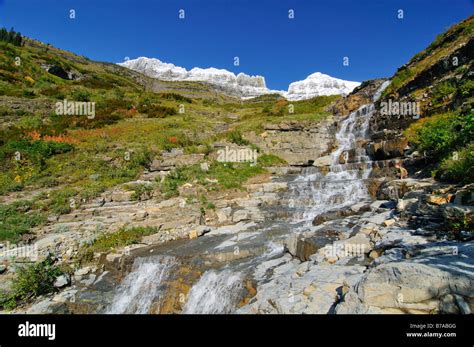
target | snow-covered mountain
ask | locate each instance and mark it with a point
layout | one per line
(318, 84)
(241, 85)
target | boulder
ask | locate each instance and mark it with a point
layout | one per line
(62, 281)
(302, 247)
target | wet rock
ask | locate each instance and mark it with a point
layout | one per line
(313, 291)
(332, 215)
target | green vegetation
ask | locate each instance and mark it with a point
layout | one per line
(449, 139)
(460, 169)
(31, 281)
(17, 218)
(462, 224)
(110, 241)
(220, 176)
(237, 138)
(11, 37)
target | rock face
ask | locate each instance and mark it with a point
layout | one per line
(241, 85)
(298, 143)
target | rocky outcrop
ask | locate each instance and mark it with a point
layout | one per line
(298, 143)
(424, 284)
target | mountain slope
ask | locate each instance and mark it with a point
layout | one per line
(440, 82)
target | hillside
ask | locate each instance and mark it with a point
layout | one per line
(64, 157)
(440, 80)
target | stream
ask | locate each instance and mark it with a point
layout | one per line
(227, 261)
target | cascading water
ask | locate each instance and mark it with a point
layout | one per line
(141, 287)
(317, 192)
(314, 192)
(215, 292)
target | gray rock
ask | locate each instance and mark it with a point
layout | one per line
(418, 285)
(62, 281)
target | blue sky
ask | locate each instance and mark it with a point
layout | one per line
(258, 32)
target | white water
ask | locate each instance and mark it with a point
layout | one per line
(141, 287)
(215, 292)
(313, 192)
(344, 184)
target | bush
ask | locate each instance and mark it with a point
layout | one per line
(156, 111)
(460, 170)
(32, 281)
(177, 97)
(36, 151)
(442, 91)
(237, 138)
(442, 134)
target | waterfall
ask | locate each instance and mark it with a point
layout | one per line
(318, 192)
(215, 292)
(141, 287)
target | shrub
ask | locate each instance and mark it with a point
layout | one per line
(442, 91)
(177, 97)
(443, 133)
(32, 281)
(460, 170)
(156, 111)
(237, 138)
(60, 201)
(37, 151)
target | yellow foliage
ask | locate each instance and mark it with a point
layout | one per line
(29, 79)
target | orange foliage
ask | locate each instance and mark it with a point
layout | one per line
(36, 136)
